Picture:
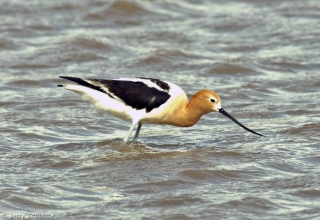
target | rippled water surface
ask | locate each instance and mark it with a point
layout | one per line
(62, 158)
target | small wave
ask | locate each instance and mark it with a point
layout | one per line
(120, 9)
(211, 174)
(305, 129)
(226, 68)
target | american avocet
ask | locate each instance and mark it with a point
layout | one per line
(147, 100)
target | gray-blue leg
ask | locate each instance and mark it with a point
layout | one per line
(126, 139)
(135, 138)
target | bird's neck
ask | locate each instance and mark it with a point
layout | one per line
(188, 114)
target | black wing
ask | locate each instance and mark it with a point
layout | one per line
(133, 93)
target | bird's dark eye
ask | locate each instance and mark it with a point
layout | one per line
(212, 100)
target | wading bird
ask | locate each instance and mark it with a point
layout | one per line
(147, 100)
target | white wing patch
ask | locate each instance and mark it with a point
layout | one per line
(104, 88)
(147, 82)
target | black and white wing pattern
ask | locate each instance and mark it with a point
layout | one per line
(139, 93)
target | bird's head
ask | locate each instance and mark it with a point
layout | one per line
(209, 101)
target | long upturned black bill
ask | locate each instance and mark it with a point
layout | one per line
(222, 111)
